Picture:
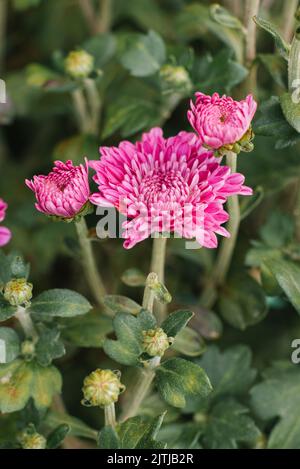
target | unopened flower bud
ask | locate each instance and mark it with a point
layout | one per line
(102, 388)
(32, 440)
(18, 292)
(159, 290)
(155, 342)
(79, 64)
(175, 76)
(27, 348)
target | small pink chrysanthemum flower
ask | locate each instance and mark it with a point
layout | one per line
(223, 122)
(166, 185)
(63, 193)
(5, 233)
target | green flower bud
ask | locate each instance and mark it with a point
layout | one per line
(30, 439)
(175, 77)
(18, 292)
(155, 342)
(27, 348)
(102, 388)
(79, 64)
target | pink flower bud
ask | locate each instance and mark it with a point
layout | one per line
(5, 233)
(64, 192)
(221, 121)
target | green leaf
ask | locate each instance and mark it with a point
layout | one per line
(228, 425)
(57, 436)
(121, 304)
(279, 396)
(242, 302)
(189, 342)
(291, 110)
(75, 147)
(127, 349)
(287, 275)
(129, 116)
(177, 378)
(230, 371)
(133, 278)
(141, 433)
(77, 427)
(181, 435)
(276, 66)
(12, 266)
(49, 345)
(6, 310)
(144, 54)
(272, 123)
(25, 4)
(9, 345)
(59, 302)
(108, 439)
(220, 73)
(102, 47)
(225, 18)
(282, 46)
(195, 21)
(278, 230)
(20, 381)
(89, 330)
(176, 321)
(208, 324)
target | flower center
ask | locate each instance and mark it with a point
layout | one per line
(165, 187)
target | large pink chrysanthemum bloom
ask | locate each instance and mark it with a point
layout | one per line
(64, 192)
(221, 121)
(171, 184)
(5, 234)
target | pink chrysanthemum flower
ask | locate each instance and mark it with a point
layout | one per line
(64, 192)
(221, 121)
(5, 234)
(171, 184)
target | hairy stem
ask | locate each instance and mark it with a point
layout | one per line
(94, 105)
(26, 322)
(288, 18)
(140, 390)
(110, 415)
(158, 267)
(88, 261)
(226, 250)
(252, 7)
(3, 15)
(82, 114)
(104, 17)
(88, 12)
(228, 244)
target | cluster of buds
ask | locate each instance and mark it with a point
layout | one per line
(102, 388)
(79, 64)
(156, 342)
(18, 292)
(30, 439)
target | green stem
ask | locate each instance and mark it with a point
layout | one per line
(226, 250)
(88, 12)
(88, 261)
(140, 390)
(83, 117)
(94, 105)
(26, 322)
(288, 18)
(3, 15)
(158, 267)
(228, 244)
(110, 415)
(104, 17)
